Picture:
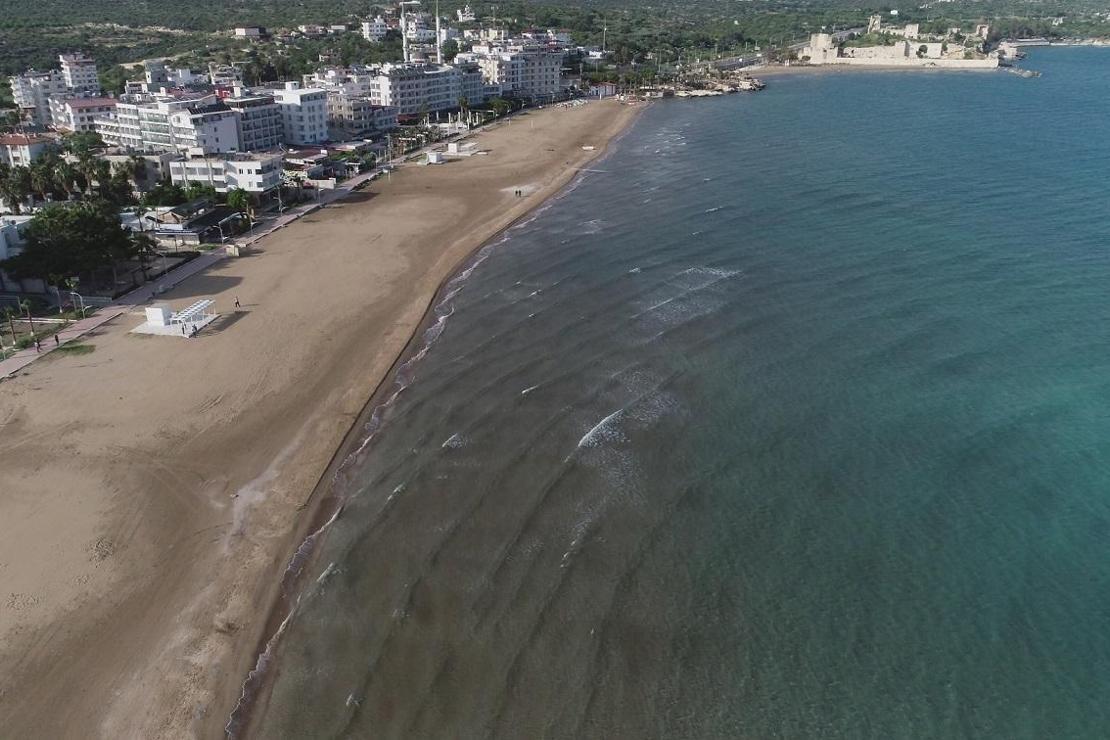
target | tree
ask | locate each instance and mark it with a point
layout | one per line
(70, 240)
(42, 178)
(198, 190)
(83, 142)
(15, 186)
(8, 314)
(145, 249)
(239, 200)
(450, 49)
(165, 193)
(25, 305)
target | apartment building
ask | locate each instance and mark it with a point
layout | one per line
(357, 115)
(255, 173)
(304, 113)
(77, 115)
(32, 91)
(419, 27)
(375, 29)
(225, 75)
(189, 123)
(17, 150)
(260, 120)
(522, 68)
(79, 73)
(415, 88)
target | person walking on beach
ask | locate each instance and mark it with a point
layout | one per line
(237, 301)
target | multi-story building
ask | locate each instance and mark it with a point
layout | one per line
(79, 114)
(18, 150)
(466, 15)
(357, 115)
(225, 75)
(375, 29)
(304, 113)
(419, 27)
(79, 73)
(522, 68)
(255, 173)
(32, 92)
(260, 120)
(188, 124)
(414, 89)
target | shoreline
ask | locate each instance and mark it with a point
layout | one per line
(818, 69)
(326, 503)
(136, 566)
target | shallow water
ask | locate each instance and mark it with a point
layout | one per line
(792, 422)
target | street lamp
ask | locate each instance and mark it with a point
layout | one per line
(81, 300)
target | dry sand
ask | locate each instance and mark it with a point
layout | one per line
(152, 491)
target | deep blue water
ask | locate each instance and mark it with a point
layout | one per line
(793, 422)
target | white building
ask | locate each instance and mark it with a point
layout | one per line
(250, 32)
(523, 69)
(357, 115)
(76, 115)
(375, 29)
(255, 173)
(415, 89)
(419, 27)
(260, 121)
(12, 240)
(304, 113)
(18, 150)
(79, 73)
(466, 15)
(196, 124)
(32, 92)
(225, 75)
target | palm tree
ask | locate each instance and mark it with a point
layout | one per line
(87, 167)
(102, 173)
(65, 173)
(42, 178)
(54, 280)
(8, 314)
(15, 187)
(26, 306)
(145, 248)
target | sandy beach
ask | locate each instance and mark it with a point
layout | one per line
(152, 491)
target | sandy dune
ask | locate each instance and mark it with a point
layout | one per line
(152, 491)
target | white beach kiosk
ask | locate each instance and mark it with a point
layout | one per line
(185, 323)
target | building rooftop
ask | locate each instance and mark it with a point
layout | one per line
(90, 102)
(23, 140)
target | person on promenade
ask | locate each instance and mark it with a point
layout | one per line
(57, 342)
(38, 345)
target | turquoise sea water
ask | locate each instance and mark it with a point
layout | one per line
(793, 422)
